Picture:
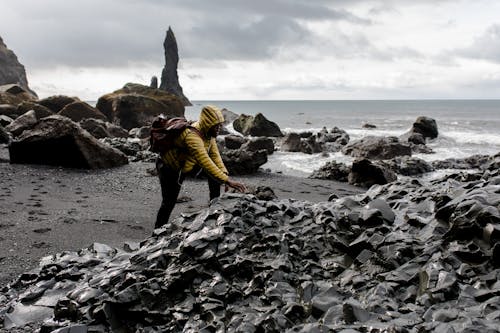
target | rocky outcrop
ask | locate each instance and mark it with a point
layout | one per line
(234, 141)
(136, 150)
(366, 173)
(425, 126)
(229, 116)
(169, 76)
(56, 140)
(332, 171)
(408, 256)
(4, 135)
(78, 111)
(243, 162)
(260, 143)
(22, 123)
(377, 148)
(40, 110)
(11, 70)
(256, 126)
(407, 166)
(468, 163)
(102, 129)
(137, 105)
(14, 94)
(309, 143)
(8, 110)
(57, 102)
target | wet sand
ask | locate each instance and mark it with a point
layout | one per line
(45, 210)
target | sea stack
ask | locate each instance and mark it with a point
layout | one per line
(11, 70)
(169, 77)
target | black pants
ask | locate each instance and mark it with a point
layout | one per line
(170, 182)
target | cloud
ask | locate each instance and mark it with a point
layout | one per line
(485, 46)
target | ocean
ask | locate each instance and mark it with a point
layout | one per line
(466, 127)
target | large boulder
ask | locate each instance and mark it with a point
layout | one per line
(256, 126)
(243, 162)
(136, 105)
(366, 173)
(260, 143)
(232, 141)
(57, 102)
(40, 110)
(14, 94)
(471, 162)
(102, 129)
(22, 123)
(11, 70)
(408, 166)
(425, 126)
(229, 116)
(332, 171)
(56, 140)
(377, 148)
(78, 111)
(169, 76)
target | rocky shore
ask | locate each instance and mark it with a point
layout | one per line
(409, 256)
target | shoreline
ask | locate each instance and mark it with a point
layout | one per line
(45, 210)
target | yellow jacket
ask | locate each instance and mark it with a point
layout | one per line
(191, 150)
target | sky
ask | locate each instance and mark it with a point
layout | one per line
(261, 49)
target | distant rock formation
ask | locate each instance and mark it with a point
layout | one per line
(169, 77)
(11, 71)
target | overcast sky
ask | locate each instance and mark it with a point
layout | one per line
(261, 49)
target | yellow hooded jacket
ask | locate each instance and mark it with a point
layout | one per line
(190, 149)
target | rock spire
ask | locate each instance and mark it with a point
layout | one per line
(11, 70)
(169, 77)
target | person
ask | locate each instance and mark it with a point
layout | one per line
(195, 148)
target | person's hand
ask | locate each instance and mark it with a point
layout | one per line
(240, 187)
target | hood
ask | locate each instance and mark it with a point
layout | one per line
(209, 116)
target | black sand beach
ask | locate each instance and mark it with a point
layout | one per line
(45, 210)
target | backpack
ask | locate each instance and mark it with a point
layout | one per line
(164, 131)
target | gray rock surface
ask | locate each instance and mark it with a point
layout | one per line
(169, 77)
(256, 126)
(398, 258)
(377, 148)
(56, 140)
(11, 70)
(366, 173)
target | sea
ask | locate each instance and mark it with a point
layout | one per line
(466, 127)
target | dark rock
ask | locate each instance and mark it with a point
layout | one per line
(260, 143)
(381, 261)
(14, 94)
(57, 103)
(169, 77)
(22, 123)
(264, 193)
(4, 136)
(78, 111)
(332, 171)
(256, 126)
(56, 140)
(5, 120)
(408, 166)
(379, 148)
(95, 127)
(242, 162)
(154, 82)
(368, 125)
(416, 138)
(292, 142)
(425, 126)
(471, 162)
(136, 105)
(102, 129)
(40, 110)
(11, 70)
(8, 110)
(367, 173)
(229, 116)
(234, 141)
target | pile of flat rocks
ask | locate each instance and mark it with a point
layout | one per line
(410, 256)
